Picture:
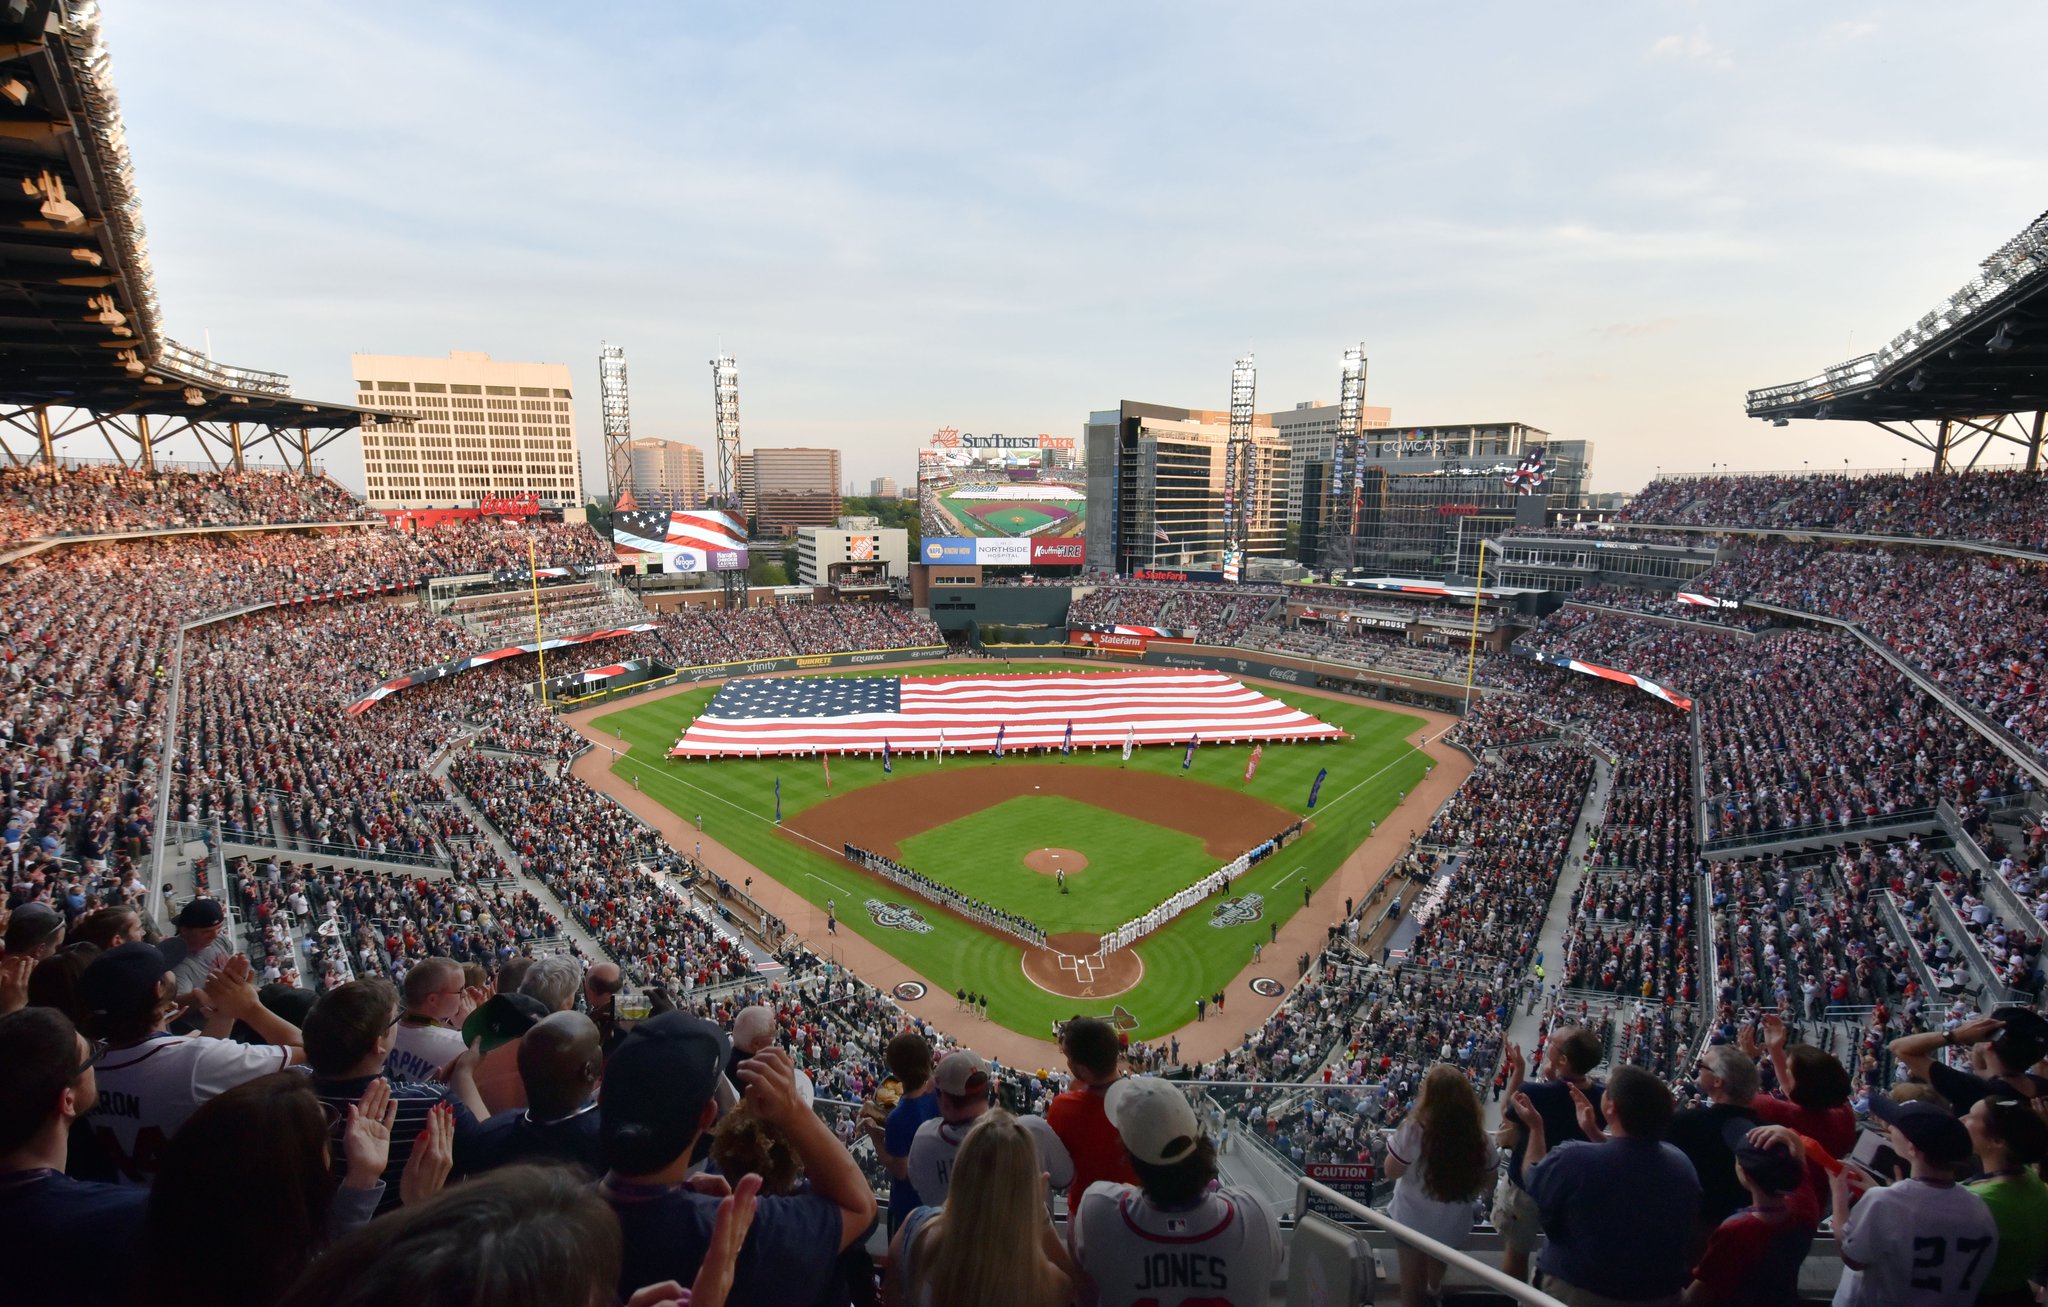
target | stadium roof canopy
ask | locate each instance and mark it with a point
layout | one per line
(1976, 363)
(81, 330)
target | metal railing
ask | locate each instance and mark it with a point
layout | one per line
(1828, 832)
(1462, 1262)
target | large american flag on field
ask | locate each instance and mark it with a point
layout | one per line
(964, 714)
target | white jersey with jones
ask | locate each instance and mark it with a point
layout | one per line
(1919, 1245)
(937, 1140)
(147, 1092)
(1220, 1251)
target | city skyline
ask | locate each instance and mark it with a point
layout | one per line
(1609, 232)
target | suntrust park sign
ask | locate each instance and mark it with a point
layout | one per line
(947, 438)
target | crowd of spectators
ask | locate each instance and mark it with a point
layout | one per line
(2010, 507)
(1798, 729)
(1211, 614)
(617, 878)
(1976, 624)
(91, 499)
(1508, 826)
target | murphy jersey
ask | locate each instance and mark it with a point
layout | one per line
(147, 1092)
(1219, 1252)
(937, 1141)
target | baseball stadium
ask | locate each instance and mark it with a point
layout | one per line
(451, 906)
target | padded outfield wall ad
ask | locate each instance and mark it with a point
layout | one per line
(1002, 501)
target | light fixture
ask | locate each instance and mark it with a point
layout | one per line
(1823, 412)
(1918, 381)
(194, 395)
(1781, 422)
(2001, 340)
(15, 91)
(86, 254)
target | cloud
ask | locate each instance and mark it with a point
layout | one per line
(1854, 29)
(1697, 48)
(1630, 330)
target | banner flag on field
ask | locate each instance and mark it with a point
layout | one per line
(1187, 759)
(999, 739)
(778, 800)
(1317, 788)
(1067, 745)
(1253, 766)
(825, 760)
(886, 768)
(1130, 738)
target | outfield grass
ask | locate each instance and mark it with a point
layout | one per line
(736, 797)
(1128, 860)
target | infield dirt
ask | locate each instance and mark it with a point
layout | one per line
(879, 816)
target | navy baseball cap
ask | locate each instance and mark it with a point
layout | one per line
(1928, 1128)
(1773, 1167)
(656, 1084)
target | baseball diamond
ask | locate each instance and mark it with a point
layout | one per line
(967, 825)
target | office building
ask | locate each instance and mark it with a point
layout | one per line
(1155, 478)
(856, 554)
(665, 473)
(1310, 430)
(1427, 496)
(789, 488)
(479, 427)
(882, 488)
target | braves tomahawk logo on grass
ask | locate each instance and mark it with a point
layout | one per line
(895, 916)
(1238, 911)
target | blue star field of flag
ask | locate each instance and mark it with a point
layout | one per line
(647, 525)
(805, 697)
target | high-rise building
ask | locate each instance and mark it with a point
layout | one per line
(1310, 430)
(882, 488)
(792, 487)
(479, 427)
(1427, 496)
(1156, 481)
(666, 473)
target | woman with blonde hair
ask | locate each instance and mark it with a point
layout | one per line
(992, 1244)
(1441, 1161)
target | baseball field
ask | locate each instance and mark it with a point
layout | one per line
(1124, 835)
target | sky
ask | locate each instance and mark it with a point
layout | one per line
(1608, 221)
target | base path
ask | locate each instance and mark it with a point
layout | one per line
(1307, 931)
(1050, 862)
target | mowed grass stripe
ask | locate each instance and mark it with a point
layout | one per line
(1128, 860)
(1368, 774)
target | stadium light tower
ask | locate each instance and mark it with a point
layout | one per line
(725, 409)
(1240, 468)
(618, 420)
(1347, 467)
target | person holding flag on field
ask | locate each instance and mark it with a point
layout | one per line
(1067, 744)
(1187, 759)
(1251, 768)
(1130, 738)
(886, 765)
(1000, 727)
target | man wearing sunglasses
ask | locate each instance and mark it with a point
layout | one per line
(46, 1084)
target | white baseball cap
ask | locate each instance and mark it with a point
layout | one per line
(1154, 1119)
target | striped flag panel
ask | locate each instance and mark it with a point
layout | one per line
(966, 714)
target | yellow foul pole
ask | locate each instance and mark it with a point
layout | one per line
(1472, 650)
(533, 577)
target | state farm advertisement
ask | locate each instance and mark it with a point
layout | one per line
(1110, 640)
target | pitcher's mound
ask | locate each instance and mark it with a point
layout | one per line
(1047, 861)
(1068, 966)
